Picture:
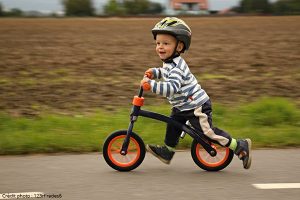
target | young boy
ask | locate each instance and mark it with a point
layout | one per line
(190, 102)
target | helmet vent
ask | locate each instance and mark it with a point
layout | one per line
(173, 22)
(163, 22)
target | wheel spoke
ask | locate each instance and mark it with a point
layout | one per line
(115, 149)
(221, 153)
(132, 158)
(207, 157)
(123, 158)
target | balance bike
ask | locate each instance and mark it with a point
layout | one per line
(124, 150)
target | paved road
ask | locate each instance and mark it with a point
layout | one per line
(87, 177)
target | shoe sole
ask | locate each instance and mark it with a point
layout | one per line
(154, 154)
(248, 165)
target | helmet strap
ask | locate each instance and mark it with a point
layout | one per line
(174, 54)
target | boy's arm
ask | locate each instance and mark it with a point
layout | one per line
(153, 73)
(168, 87)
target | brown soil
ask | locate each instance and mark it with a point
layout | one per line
(79, 65)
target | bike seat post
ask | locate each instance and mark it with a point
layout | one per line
(184, 133)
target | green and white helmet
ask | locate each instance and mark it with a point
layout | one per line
(176, 27)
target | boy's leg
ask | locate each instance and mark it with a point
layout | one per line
(203, 121)
(172, 133)
(166, 153)
(243, 151)
(161, 152)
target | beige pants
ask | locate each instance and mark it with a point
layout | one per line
(201, 120)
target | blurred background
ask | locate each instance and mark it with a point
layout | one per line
(142, 7)
(69, 69)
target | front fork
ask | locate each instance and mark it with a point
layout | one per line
(133, 118)
(127, 139)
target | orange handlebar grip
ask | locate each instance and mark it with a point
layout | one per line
(138, 101)
(149, 73)
(146, 86)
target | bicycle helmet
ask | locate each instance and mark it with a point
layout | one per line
(176, 27)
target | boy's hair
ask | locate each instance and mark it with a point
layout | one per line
(176, 27)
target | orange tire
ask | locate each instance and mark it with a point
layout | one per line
(209, 163)
(112, 151)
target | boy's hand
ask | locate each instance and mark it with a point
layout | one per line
(149, 73)
(145, 84)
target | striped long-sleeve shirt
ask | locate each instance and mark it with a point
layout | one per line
(179, 85)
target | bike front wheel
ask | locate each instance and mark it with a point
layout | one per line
(209, 163)
(112, 151)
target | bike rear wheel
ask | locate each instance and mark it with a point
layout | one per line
(209, 163)
(112, 151)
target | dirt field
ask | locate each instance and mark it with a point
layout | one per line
(79, 65)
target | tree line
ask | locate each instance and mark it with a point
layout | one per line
(280, 7)
(112, 8)
(138, 7)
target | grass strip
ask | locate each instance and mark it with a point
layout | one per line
(269, 122)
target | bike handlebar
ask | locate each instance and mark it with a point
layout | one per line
(141, 91)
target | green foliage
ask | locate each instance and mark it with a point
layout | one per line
(78, 7)
(15, 12)
(255, 6)
(132, 7)
(114, 8)
(286, 7)
(263, 6)
(155, 8)
(1, 10)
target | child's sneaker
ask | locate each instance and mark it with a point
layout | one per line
(243, 151)
(161, 152)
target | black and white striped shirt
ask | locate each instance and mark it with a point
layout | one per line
(179, 85)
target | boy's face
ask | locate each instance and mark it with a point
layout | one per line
(165, 45)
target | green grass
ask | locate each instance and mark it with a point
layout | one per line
(269, 122)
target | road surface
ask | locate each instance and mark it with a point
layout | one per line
(88, 177)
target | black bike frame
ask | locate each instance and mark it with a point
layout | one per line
(136, 111)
